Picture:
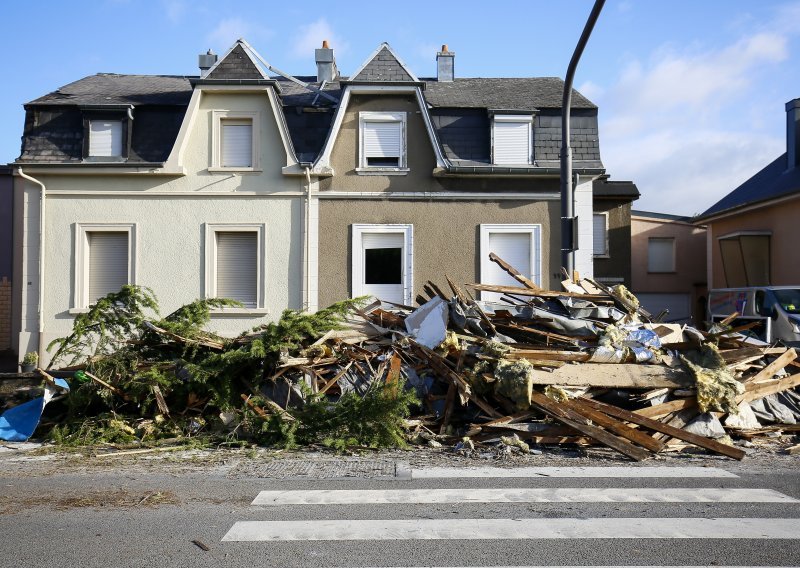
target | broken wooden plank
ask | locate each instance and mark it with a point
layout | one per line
(754, 391)
(449, 403)
(522, 291)
(573, 419)
(665, 408)
(616, 426)
(769, 371)
(547, 355)
(615, 375)
(701, 441)
(513, 272)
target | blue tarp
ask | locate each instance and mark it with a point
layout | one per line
(18, 424)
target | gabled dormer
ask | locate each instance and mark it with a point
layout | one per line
(383, 66)
(238, 64)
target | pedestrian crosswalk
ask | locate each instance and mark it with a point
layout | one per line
(525, 521)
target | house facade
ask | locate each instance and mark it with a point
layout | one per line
(289, 192)
(611, 230)
(668, 265)
(753, 231)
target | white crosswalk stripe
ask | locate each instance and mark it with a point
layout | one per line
(546, 495)
(523, 527)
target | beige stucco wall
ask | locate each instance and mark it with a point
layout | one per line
(690, 256)
(446, 237)
(170, 215)
(783, 221)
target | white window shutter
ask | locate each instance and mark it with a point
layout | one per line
(515, 249)
(237, 145)
(105, 138)
(512, 143)
(599, 235)
(237, 265)
(660, 255)
(383, 139)
(108, 263)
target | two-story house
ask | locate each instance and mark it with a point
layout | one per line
(290, 192)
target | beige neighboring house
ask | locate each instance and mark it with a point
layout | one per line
(754, 231)
(668, 265)
(188, 185)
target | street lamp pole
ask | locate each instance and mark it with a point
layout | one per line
(569, 223)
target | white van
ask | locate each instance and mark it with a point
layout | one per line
(776, 308)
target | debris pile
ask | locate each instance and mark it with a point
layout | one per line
(586, 366)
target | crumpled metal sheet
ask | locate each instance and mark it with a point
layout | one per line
(560, 323)
(584, 309)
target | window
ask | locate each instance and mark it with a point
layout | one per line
(237, 144)
(235, 265)
(600, 234)
(105, 138)
(746, 258)
(382, 141)
(235, 141)
(512, 139)
(661, 254)
(382, 262)
(519, 246)
(105, 257)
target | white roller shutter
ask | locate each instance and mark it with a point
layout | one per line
(512, 142)
(599, 234)
(105, 138)
(382, 139)
(237, 265)
(237, 144)
(382, 240)
(108, 263)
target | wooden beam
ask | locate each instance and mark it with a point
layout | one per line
(700, 441)
(616, 426)
(754, 391)
(616, 375)
(522, 291)
(573, 419)
(666, 408)
(513, 272)
(769, 371)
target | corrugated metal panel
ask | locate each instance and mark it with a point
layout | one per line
(512, 142)
(661, 255)
(382, 139)
(237, 145)
(108, 263)
(599, 234)
(105, 138)
(237, 265)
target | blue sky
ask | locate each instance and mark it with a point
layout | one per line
(691, 92)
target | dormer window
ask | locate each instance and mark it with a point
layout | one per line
(106, 134)
(382, 138)
(236, 141)
(105, 138)
(512, 139)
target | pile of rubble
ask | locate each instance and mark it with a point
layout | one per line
(584, 366)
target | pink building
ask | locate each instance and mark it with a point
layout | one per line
(668, 265)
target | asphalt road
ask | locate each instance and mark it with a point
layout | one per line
(132, 517)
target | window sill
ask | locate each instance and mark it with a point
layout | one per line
(77, 311)
(221, 170)
(601, 255)
(382, 171)
(239, 312)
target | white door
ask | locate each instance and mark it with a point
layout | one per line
(383, 257)
(515, 249)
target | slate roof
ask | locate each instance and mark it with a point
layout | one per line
(111, 88)
(510, 93)
(661, 216)
(384, 66)
(236, 64)
(770, 183)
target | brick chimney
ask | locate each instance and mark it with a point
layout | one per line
(326, 64)
(793, 134)
(445, 65)
(206, 61)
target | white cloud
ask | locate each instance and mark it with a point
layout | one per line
(687, 125)
(230, 29)
(310, 36)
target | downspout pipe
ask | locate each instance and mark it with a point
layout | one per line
(40, 300)
(306, 243)
(568, 219)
